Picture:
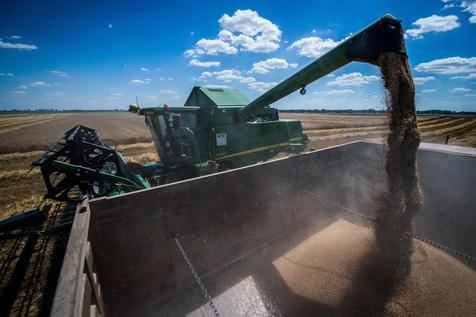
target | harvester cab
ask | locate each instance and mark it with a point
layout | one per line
(209, 133)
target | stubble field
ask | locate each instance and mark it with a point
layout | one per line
(24, 136)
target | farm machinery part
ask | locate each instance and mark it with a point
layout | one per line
(81, 164)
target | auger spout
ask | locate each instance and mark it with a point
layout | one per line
(383, 36)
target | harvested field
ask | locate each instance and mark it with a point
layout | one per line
(35, 132)
(24, 136)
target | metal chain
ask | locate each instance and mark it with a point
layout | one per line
(207, 296)
(417, 237)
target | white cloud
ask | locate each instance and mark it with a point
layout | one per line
(18, 46)
(22, 87)
(470, 76)
(313, 46)
(448, 4)
(245, 30)
(18, 92)
(54, 94)
(449, 65)
(39, 84)
(314, 31)
(109, 25)
(470, 6)
(422, 80)
(212, 47)
(265, 66)
(15, 37)
(352, 79)
(189, 53)
(217, 86)
(205, 75)
(144, 69)
(196, 62)
(460, 89)
(192, 33)
(434, 23)
(249, 31)
(59, 73)
(335, 92)
(168, 92)
(425, 91)
(470, 95)
(140, 81)
(227, 76)
(7, 74)
(261, 86)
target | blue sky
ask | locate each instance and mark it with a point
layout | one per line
(100, 54)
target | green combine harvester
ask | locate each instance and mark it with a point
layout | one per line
(217, 129)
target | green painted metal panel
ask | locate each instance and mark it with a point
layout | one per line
(220, 97)
(225, 96)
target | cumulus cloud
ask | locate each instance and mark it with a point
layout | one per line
(15, 37)
(261, 86)
(141, 81)
(22, 87)
(434, 23)
(109, 25)
(144, 69)
(422, 80)
(39, 84)
(426, 91)
(233, 75)
(229, 75)
(470, 76)
(335, 92)
(352, 79)
(18, 46)
(59, 73)
(470, 7)
(313, 46)
(265, 66)
(196, 62)
(448, 4)
(212, 47)
(7, 74)
(449, 65)
(460, 89)
(245, 30)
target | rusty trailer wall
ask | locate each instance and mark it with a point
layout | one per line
(123, 259)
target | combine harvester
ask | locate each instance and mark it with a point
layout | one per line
(215, 241)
